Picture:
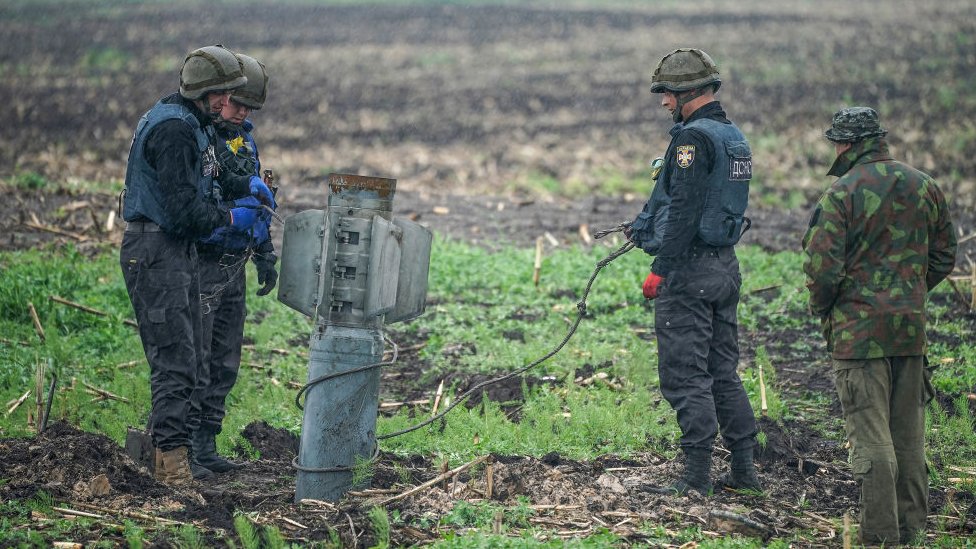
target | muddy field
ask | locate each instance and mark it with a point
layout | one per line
(480, 100)
(469, 108)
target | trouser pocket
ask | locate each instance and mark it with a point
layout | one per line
(161, 297)
(852, 391)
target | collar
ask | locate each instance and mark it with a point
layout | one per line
(712, 109)
(873, 149)
(709, 110)
(178, 99)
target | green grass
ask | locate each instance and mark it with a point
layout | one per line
(479, 301)
(29, 181)
(32, 181)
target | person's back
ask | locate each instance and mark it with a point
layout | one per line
(878, 241)
(888, 211)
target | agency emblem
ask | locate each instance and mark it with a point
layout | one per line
(685, 155)
(209, 163)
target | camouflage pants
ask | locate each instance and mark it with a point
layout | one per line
(222, 290)
(884, 411)
(161, 277)
(698, 351)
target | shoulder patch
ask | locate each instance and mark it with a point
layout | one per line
(685, 155)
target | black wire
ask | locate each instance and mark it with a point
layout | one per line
(581, 312)
(327, 377)
(337, 468)
(581, 307)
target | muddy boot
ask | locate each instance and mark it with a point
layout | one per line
(172, 467)
(698, 464)
(205, 452)
(742, 476)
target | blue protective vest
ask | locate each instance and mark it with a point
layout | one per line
(727, 195)
(143, 195)
(228, 237)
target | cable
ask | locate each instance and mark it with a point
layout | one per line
(327, 377)
(581, 307)
(581, 312)
(337, 468)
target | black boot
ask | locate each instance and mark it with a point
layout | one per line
(198, 471)
(742, 475)
(698, 464)
(205, 454)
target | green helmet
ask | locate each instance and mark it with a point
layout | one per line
(255, 91)
(211, 68)
(685, 69)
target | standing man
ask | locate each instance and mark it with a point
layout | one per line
(223, 257)
(168, 204)
(879, 240)
(690, 224)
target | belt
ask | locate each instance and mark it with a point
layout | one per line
(142, 227)
(724, 252)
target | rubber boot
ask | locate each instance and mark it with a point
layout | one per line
(205, 452)
(172, 467)
(698, 465)
(742, 475)
(198, 471)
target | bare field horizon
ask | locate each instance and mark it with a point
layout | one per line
(480, 99)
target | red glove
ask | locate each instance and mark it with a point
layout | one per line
(651, 285)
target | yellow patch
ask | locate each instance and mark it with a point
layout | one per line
(235, 144)
(685, 155)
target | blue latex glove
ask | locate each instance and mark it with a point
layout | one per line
(262, 192)
(259, 232)
(248, 202)
(244, 213)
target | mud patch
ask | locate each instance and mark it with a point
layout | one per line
(270, 442)
(66, 462)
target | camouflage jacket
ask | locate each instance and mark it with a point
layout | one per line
(879, 239)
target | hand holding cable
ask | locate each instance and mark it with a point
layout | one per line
(652, 285)
(245, 213)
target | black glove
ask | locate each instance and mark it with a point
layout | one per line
(267, 275)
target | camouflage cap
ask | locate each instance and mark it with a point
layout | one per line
(854, 124)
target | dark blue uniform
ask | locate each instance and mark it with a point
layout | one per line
(168, 206)
(690, 224)
(223, 257)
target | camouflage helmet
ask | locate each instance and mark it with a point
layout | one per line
(255, 91)
(211, 68)
(854, 124)
(685, 69)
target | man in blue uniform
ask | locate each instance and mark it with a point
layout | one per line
(223, 257)
(691, 222)
(168, 205)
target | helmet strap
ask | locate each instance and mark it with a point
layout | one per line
(683, 99)
(211, 114)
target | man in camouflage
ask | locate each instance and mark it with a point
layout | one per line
(879, 239)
